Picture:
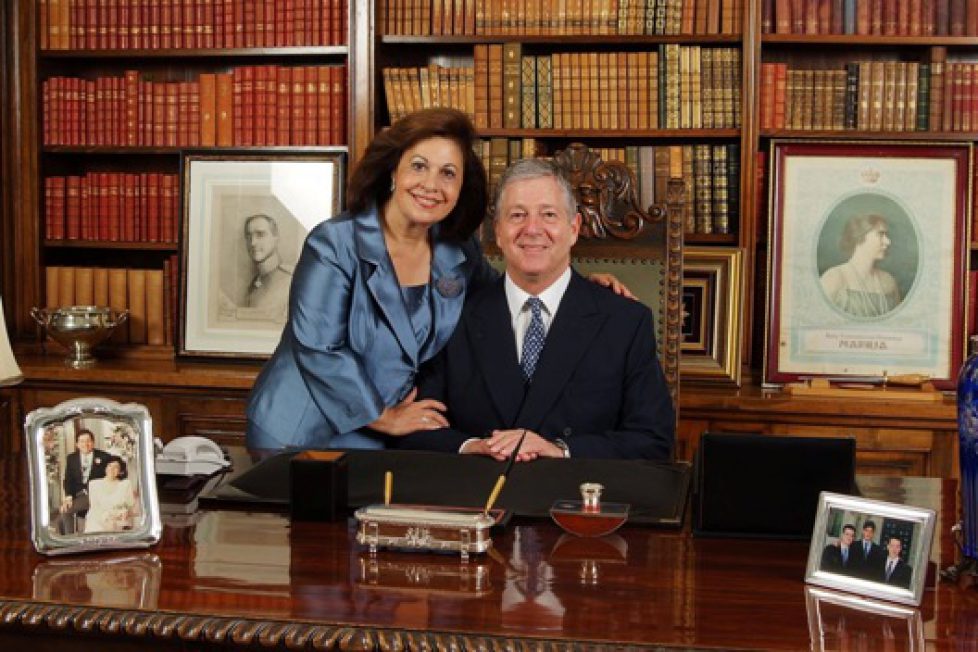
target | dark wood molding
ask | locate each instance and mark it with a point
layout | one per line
(241, 633)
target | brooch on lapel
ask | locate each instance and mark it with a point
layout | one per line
(96, 460)
(449, 287)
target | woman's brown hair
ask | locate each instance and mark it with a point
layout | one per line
(370, 181)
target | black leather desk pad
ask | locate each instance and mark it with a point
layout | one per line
(657, 492)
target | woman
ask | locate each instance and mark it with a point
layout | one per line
(377, 292)
(112, 500)
(858, 286)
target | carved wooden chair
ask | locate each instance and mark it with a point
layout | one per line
(640, 245)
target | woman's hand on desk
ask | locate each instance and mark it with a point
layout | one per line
(410, 415)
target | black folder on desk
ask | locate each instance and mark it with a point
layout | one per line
(767, 486)
(656, 491)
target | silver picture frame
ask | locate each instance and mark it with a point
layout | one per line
(92, 476)
(900, 533)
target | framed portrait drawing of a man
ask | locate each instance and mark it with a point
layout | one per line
(92, 473)
(867, 254)
(246, 217)
(871, 547)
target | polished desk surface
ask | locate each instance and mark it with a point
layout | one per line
(238, 578)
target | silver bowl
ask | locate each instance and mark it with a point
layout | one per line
(80, 329)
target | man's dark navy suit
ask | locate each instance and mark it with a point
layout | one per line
(598, 384)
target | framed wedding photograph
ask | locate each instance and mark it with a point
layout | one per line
(868, 249)
(871, 547)
(246, 217)
(713, 288)
(92, 475)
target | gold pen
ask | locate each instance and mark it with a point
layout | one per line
(388, 486)
(502, 476)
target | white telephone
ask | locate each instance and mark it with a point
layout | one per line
(191, 456)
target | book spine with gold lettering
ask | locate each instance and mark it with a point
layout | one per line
(545, 100)
(703, 188)
(495, 85)
(528, 97)
(720, 197)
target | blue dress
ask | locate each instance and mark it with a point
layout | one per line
(350, 347)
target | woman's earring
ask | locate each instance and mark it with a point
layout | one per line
(393, 185)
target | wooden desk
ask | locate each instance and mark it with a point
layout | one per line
(250, 579)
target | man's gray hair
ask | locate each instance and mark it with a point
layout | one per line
(271, 222)
(535, 168)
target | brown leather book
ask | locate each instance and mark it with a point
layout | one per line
(495, 85)
(100, 286)
(891, 16)
(889, 95)
(876, 17)
(66, 286)
(782, 16)
(324, 105)
(642, 83)
(154, 302)
(222, 110)
(84, 286)
(480, 56)
(956, 18)
(545, 101)
(136, 283)
(911, 101)
(512, 57)
(942, 17)
(119, 299)
(52, 283)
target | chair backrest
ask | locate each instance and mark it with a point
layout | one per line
(641, 245)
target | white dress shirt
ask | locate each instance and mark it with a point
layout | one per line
(519, 312)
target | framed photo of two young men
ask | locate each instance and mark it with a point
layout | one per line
(868, 247)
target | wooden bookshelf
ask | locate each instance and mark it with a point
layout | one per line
(888, 439)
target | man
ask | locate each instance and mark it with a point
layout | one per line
(544, 352)
(85, 464)
(269, 289)
(895, 571)
(838, 557)
(868, 555)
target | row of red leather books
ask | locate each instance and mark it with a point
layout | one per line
(251, 105)
(190, 24)
(112, 207)
(871, 17)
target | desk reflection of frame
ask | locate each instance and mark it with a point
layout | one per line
(905, 623)
(122, 432)
(902, 521)
(129, 582)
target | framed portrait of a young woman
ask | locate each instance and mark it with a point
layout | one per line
(867, 254)
(92, 474)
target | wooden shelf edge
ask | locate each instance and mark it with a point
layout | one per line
(131, 372)
(107, 244)
(849, 134)
(866, 39)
